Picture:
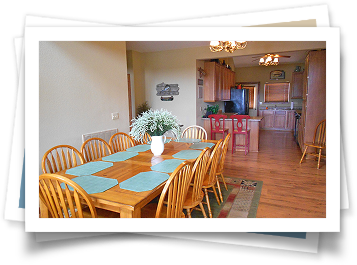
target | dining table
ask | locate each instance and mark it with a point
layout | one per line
(126, 181)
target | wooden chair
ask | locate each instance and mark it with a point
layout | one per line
(319, 142)
(194, 132)
(173, 194)
(95, 148)
(60, 201)
(210, 180)
(195, 194)
(217, 122)
(61, 157)
(222, 160)
(144, 140)
(240, 126)
(120, 141)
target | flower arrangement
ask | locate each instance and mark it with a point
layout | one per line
(155, 123)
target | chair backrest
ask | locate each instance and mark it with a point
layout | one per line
(63, 197)
(213, 162)
(120, 141)
(217, 122)
(224, 149)
(61, 157)
(320, 133)
(238, 123)
(144, 140)
(95, 148)
(175, 191)
(199, 171)
(194, 132)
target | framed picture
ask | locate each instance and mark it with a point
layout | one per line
(200, 82)
(200, 92)
(277, 74)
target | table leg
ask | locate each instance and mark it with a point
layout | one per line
(129, 213)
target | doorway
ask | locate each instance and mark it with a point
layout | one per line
(254, 88)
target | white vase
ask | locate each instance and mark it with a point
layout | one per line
(157, 144)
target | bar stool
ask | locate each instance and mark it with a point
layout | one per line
(240, 127)
(217, 125)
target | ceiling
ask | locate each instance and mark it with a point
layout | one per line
(239, 61)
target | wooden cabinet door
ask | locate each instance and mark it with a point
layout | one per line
(280, 119)
(218, 82)
(290, 119)
(268, 120)
(297, 85)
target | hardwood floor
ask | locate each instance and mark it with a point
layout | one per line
(290, 189)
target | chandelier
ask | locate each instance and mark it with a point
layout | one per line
(228, 46)
(269, 59)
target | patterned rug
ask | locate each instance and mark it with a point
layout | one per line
(239, 201)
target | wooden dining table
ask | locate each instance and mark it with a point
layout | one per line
(127, 202)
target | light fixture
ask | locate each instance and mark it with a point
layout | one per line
(228, 46)
(269, 59)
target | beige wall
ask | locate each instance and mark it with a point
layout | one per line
(180, 67)
(81, 84)
(262, 74)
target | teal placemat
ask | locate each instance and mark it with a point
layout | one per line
(188, 140)
(201, 145)
(144, 181)
(120, 156)
(93, 184)
(187, 154)
(139, 148)
(167, 166)
(89, 168)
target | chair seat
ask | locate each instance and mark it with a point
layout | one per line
(241, 132)
(189, 203)
(206, 184)
(315, 145)
(220, 131)
(149, 211)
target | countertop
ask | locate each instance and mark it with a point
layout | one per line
(252, 118)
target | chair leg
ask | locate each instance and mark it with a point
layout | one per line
(215, 194)
(219, 190)
(203, 210)
(303, 154)
(233, 143)
(245, 144)
(188, 213)
(208, 204)
(318, 163)
(224, 181)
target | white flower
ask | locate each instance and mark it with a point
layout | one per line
(155, 123)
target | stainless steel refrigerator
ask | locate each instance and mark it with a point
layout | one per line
(239, 102)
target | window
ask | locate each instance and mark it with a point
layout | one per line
(276, 92)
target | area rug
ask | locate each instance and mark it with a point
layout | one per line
(241, 200)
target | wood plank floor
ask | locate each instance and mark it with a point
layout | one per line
(290, 189)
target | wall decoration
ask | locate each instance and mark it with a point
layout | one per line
(167, 98)
(277, 74)
(200, 82)
(167, 89)
(200, 92)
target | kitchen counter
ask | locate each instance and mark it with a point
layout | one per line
(253, 125)
(252, 118)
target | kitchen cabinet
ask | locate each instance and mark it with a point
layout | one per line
(297, 85)
(217, 82)
(314, 96)
(277, 119)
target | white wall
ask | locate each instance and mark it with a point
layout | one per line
(81, 84)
